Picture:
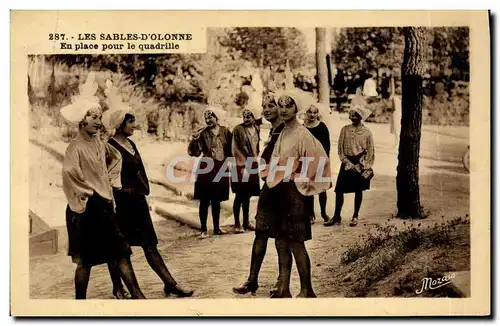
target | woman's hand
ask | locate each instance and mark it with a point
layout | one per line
(358, 168)
(348, 165)
(366, 174)
(197, 134)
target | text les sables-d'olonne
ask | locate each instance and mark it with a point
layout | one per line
(120, 41)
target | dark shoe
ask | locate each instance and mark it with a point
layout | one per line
(354, 221)
(122, 294)
(325, 217)
(249, 227)
(177, 290)
(307, 295)
(246, 288)
(219, 232)
(278, 295)
(333, 221)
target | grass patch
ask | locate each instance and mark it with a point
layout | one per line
(391, 261)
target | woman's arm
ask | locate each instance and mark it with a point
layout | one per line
(369, 158)
(75, 188)
(194, 147)
(114, 164)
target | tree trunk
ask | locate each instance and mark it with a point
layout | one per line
(321, 68)
(52, 86)
(413, 69)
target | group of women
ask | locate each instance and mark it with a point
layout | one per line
(106, 186)
(285, 209)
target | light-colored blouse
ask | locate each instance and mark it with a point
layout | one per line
(90, 166)
(297, 142)
(354, 140)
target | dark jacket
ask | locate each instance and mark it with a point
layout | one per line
(203, 145)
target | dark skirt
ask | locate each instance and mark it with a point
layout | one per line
(134, 219)
(351, 181)
(282, 212)
(94, 236)
(249, 187)
(205, 188)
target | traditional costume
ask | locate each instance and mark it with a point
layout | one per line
(91, 170)
(355, 146)
(288, 211)
(214, 147)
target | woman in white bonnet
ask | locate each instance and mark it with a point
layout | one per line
(313, 122)
(356, 151)
(91, 170)
(213, 141)
(132, 208)
(290, 214)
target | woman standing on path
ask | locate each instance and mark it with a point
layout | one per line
(290, 187)
(132, 207)
(320, 131)
(357, 154)
(396, 111)
(245, 145)
(214, 142)
(264, 228)
(91, 169)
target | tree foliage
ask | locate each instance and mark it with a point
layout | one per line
(266, 46)
(363, 49)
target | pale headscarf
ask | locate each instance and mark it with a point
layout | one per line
(215, 111)
(82, 103)
(117, 109)
(363, 112)
(247, 112)
(301, 99)
(323, 109)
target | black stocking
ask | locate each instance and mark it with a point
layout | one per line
(128, 276)
(339, 202)
(236, 210)
(245, 205)
(114, 272)
(303, 267)
(158, 265)
(203, 213)
(82, 276)
(322, 202)
(285, 264)
(358, 198)
(258, 253)
(216, 214)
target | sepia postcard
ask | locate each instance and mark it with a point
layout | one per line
(250, 163)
